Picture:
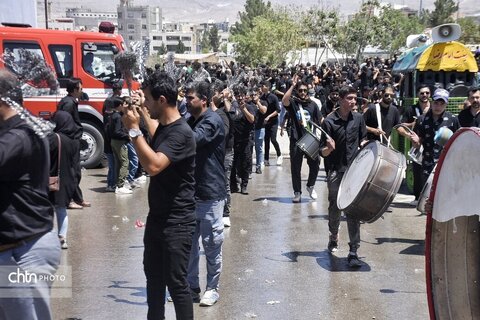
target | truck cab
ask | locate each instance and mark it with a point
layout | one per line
(89, 56)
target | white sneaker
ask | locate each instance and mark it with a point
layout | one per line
(127, 185)
(210, 297)
(135, 184)
(123, 190)
(297, 197)
(312, 192)
(141, 179)
(226, 222)
(279, 160)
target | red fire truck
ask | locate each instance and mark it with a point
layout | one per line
(85, 55)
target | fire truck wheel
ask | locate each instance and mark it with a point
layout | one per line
(91, 146)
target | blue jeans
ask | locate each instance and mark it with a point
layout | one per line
(111, 170)
(132, 162)
(259, 137)
(29, 300)
(62, 221)
(210, 228)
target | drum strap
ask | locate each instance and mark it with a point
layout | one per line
(379, 119)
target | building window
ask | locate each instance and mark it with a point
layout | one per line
(130, 37)
(119, 15)
(157, 38)
(131, 27)
(173, 38)
(144, 26)
(186, 39)
(144, 15)
(130, 14)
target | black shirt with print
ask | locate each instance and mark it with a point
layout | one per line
(467, 119)
(426, 128)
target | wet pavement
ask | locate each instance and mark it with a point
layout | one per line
(276, 265)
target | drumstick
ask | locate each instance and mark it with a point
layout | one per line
(320, 128)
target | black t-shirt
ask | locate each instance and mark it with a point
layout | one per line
(310, 112)
(347, 136)
(171, 192)
(272, 106)
(390, 118)
(243, 128)
(412, 112)
(466, 119)
(260, 117)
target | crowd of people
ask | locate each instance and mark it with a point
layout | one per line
(194, 131)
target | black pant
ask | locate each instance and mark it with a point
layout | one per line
(271, 136)
(242, 161)
(296, 160)
(165, 261)
(77, 194)
(334, 214)
(418, 181)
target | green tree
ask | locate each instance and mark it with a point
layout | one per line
(205, 42)
(180, 47)
(319, 27)
(470, 30)
(444, 9)
(273, 36)
(253, 8)
(214, 38)
(162, 50)
(393, 29)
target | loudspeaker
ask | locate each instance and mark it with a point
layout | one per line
(416, 40)
(446, 32)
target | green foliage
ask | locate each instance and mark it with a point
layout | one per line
(272, 36)
(319, 26)
(444, 9)
(205, 42)
(470, 30)
(253, 8)
(162, 50)
(214, 38)
(180, 47)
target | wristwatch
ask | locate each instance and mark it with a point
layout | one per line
(133, 133)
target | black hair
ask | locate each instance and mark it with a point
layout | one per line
(346, 90)
(72, 84)
(10, 87)
(161, 84)
(201, 89)
(117, 102)
(266, 83)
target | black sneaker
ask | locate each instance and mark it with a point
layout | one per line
(259, 170)
(332, 245)
(353, 261)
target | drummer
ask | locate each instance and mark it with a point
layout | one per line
(301, 109)
(426, 127)
(347, 131)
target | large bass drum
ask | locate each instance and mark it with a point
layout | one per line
(371, 182)
(427, 187)
(453, 230)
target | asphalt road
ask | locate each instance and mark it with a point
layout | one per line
(276, 265)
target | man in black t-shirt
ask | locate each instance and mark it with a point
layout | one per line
(389, 117)
(170, 161)
(348, 131)
(470, 117)
(301, 110)
(271, 123)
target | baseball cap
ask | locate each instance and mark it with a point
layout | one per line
(441, 94)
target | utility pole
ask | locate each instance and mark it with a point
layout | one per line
(46, 14)
(420, 9)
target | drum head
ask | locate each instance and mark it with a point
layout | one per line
(356, 175)
(453, 230)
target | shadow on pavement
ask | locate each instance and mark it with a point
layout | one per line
(327, 261)
(138, 292)
(417, 247)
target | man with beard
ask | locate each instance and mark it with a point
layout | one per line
(331, 103)
(470, 117)
(170, 161)
(428, 125)
(412, 113)
(210, 191)
(380, 118)
(301, 110)
(271, 123)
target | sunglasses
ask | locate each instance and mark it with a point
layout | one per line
(302, 90)
(386, 95)
(425, 92)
